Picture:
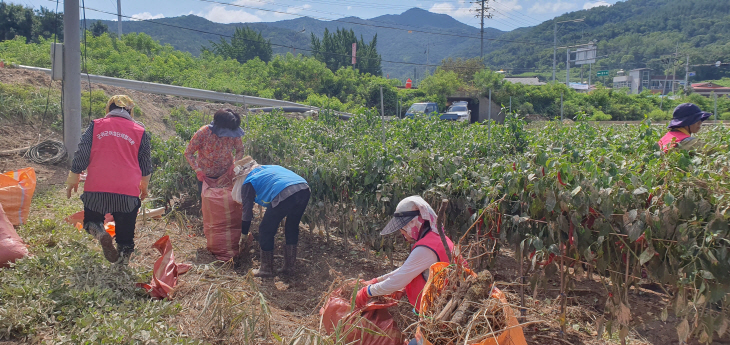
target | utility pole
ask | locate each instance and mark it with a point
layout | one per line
(71, 77)
(567, 66)
(555, 42)
(481, 40)
(481, 13)
(555, 47)
(674, 68)
(686, 76)
(119, 18)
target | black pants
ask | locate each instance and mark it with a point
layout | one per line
(125, 223)
(293, 209)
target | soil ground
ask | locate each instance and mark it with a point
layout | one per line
(295, 301)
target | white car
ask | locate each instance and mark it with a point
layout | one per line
(457, 112)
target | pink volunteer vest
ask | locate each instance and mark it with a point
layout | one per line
(431, 241)
(113, 164)
(665, 143)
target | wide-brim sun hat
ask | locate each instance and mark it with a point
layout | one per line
(687, 114)
(405, 212)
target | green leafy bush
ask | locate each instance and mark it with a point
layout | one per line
(600, 116)
(725, 116)
(659, 115)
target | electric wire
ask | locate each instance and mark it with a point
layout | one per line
(371, 25)
(53, 67)
(273, 44)
(86, 67)
(47, 152)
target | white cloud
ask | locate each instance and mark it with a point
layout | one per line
(508, 5)
(551, 7)
(349, 8)
(147, 16)
(292, 10)
(221, 14)
(589, 5)
(454, 11)
(254, 3)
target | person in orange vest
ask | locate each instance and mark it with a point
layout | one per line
(686, 120)
(416, 221)
(116, 153)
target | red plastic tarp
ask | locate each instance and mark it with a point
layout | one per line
(166, 271)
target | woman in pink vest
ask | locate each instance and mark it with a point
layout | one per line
(115, 152)
(416, 221)
(210, 151)
(686, 119)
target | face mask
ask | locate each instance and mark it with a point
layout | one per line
(413, 228)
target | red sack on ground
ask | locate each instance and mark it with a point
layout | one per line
(16, 192)
(11, 246)
(373, 317)
(221, 219)
(165, 272)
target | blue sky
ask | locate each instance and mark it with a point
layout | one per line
(507, 14)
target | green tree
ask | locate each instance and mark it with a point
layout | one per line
(98, 28)
(246, 44)
(15, 20)
(486, 79)
(335, 50)
(441, 85)
(464, 68)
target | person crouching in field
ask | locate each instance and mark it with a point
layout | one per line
(115, 151)
(686, 120)
(284, 194)
(215, 144)
(416, 221)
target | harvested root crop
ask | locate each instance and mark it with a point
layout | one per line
(464, 312)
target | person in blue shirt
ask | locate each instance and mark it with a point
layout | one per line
(284, 194)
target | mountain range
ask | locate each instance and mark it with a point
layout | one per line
(628, 34)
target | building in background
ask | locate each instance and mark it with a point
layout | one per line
(524, 80)
(640, 79)
(706, 89)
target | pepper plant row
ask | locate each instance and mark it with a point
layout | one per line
(601, 198)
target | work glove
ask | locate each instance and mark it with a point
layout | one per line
(200, 175)
(362, 297)
(371, 282)
(143, 193)
(72, 183)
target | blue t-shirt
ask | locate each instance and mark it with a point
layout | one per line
(269, 180)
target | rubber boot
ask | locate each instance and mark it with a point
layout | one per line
(107, 245)
(125, 253)
(267, 265)
(290, 260)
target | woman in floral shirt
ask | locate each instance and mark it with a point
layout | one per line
(215, 145)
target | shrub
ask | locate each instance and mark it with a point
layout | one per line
(725, 116)
(658, 115)
(600, 116)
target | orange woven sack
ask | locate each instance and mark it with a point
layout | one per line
(221, 219)
(370, 325)
(11, 245)
(512, 335)
(16, 192)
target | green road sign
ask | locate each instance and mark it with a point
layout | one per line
(602, 74)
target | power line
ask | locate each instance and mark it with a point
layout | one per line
(371, 25)
(273, 44)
